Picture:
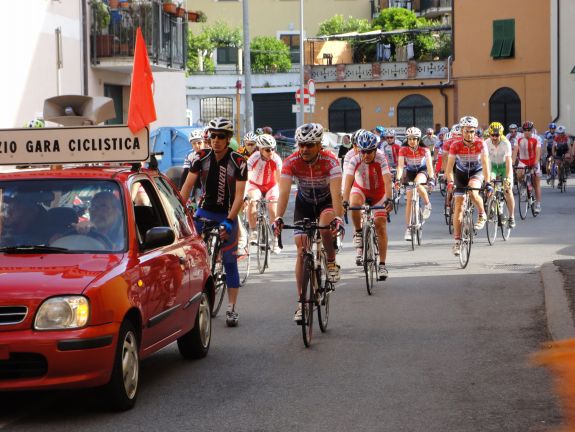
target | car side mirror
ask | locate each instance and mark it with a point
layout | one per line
(158, 237)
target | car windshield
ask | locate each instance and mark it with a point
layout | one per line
(61, 216)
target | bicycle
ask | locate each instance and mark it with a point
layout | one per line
(562, 182)
(315, 294)
(370, 244)
(526, 193)
(551, 171)
(442, 182)
(416, 220)
(497, 214)
(211, 236)
(264, 231)
(467, 227)
(448, 206)
(396, 193)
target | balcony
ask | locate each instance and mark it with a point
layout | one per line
(166, 36)
(416, 70)
(435, 8)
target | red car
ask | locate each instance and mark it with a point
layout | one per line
(99, 268)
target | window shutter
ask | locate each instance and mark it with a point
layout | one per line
(498, 29)
(508, 38)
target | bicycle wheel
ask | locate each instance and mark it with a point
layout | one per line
(562, 178)
(530, 194)
(307, 300)
(492, 220)
(442, 187)
(466, 239)
(368, 259)
(523, 198)
(244, 261)
(395, 197)
(412, 224)
(262, 246)
(504, 220)
(323, 295)
(419, 231)
(218, 273)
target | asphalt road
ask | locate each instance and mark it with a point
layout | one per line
(436, 348)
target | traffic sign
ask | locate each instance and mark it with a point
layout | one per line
(305, 96)
(310, 109)
(311, 87)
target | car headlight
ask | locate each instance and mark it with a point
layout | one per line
(59, 313)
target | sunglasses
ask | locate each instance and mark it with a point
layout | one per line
(250, 144)
(494, 135)
(367, 151)
(267, 150)
(218, 135)
(470, 131)
(307, 145)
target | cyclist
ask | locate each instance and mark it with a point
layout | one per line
(264, 168)
(318, 175)
(249, 144)
(379, 132)
(561, 146)
(438, 150)
(430, 140)
(416, 159)
(499, 149)
(196, 141)
(354, 149)
(225, 171)
(468, 162)
(391, 147)
(367, 178)
(513, 136)
(453, 135)
(528, 152)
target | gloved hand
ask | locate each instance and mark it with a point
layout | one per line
(489, 187)
(507, 183)
(337, 226)
(345, 205)
(226, 228)
(450, 186)
(431, 184)
(388, 203)
(277, 226)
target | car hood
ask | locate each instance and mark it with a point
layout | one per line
(40, 276)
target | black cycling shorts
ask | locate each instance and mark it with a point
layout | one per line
(304, 210)
(462, 179)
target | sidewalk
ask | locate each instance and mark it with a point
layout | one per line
(558, 278)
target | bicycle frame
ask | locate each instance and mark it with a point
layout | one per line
(415, 218)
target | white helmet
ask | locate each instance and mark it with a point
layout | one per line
(266, 141)
(456, 129)
(309, 133)
(413, 131)
(251, 137)
(468, 121)
(221, 123)
(356, 135)
(560, 129)
(197, 135)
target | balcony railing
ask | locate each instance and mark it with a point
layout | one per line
(166, 35)
(431, 8)
(380, 71)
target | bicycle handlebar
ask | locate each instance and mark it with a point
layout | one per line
(305, 225)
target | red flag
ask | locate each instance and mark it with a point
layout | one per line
(141, 111)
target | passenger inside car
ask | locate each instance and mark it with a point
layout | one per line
(21, 223)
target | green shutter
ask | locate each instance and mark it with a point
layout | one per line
(497, 39)
(503, 38)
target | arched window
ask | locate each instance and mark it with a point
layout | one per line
(415, 110)
(344, 115)
(505, 107)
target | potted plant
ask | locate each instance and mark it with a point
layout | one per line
(169, 7)
(180, 11)
(202, 17)
(193, 16)
(100, 23)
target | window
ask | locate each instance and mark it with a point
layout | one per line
(147, 209)
(292, 41)
(174, 207)
(503, 39)
(415, 110)
(115, 92)
(227, 55)
(505, 107)
(216, 107)
(344, 115)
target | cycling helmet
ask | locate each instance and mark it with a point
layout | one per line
(552, 125)
(34, 124)
(206, 133)
(221, 123)
(456, 129)
(429, 131)
(196, 135)
(309, 133)
(389, 133)
(527, 126)
(413, 132)
(496, 128)
(560, 129)
(259, 131)
(266, 141)
(251, 137)
(512, 126)
(367, 141)
(443, 130)
(356, 135)
(380, 129)
(468, 121)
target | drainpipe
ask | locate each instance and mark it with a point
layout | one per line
(85, 55)
(558, 63)
(442, 91)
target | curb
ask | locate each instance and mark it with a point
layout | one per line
(559, 319)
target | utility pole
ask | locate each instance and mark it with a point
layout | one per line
(248, 125)
(301, 116)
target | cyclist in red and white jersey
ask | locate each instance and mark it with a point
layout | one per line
(438, 149)
(467, 164)
(354, 151)
(416, 159)
(528, 152)
(318, 175)
(391, 147)
(264, 168)
(367, 178)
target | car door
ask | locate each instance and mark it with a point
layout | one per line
(191, 245)
(163, 270)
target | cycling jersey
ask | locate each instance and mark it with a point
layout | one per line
(468, 157)
(561, 145)
(414, 158)
(221, 176)
(313, 178)
(349, 155)
(513, 138)
(262, 172)
(498, 153)
(527, 152)
(392, 152)
(368, 178)
(430, 141)
(448, 141)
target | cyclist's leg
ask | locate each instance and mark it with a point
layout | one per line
(325, 218)
(254, 194)
(409, 177)
(461, 180)
(272, 195)
(380, 217)
(475, 181)
(301, 245)
(357, 198)
(422, 178)
(537, 182)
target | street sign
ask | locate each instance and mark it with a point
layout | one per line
(305, 97)
(311, 87)
(310, 109)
